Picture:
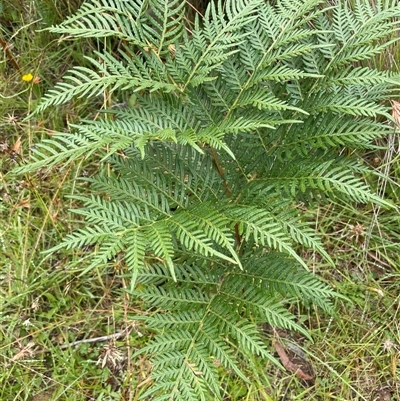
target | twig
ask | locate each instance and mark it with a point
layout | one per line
(9, 55)
(87, 341)
(220, 171)
(95, 339)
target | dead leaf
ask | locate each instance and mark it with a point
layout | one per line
(289, 364)
(24, 352)
(16, 148)
(25, 203)
(396, 113)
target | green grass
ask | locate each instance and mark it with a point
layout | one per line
(46, 305)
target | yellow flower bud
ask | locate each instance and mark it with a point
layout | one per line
(27, 77)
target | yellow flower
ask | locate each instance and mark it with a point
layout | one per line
(27, 77)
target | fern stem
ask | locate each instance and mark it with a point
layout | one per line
(227, 191)
(220, 171)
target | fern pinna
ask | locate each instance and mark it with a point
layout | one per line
(229, 123)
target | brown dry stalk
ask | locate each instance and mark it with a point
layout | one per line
(6, 48)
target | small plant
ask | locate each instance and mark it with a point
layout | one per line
(229, 127)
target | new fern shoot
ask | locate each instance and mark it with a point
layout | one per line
(230, 123)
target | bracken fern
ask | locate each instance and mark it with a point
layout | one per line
(230, 123)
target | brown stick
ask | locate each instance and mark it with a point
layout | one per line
(227, 191)
(9, 55)
(87, 341)
(220, 171)
(95, 339)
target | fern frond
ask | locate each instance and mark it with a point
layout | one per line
(303, 286)
(221, 351)
(161, 242)
(363, 76)
(191, 345)
(359, 32)
(325, 180)
(215, 226)
(104, 18)
(330, 130)
(86, 236)
(220, 36)
(274, 313)
(302, 233)
(346, 103)
(192, 238)
(277, 273)
(262, 227)
(163, 26)
(135, 252)
(143, 204)
(84, 82)
(63, 148)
